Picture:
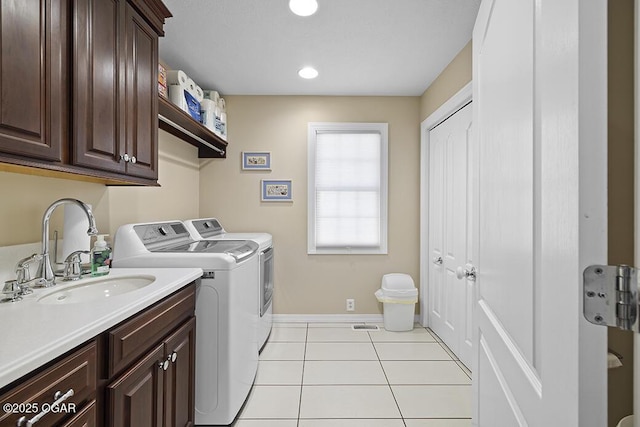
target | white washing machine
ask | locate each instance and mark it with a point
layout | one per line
(211, 229)
(226, 297)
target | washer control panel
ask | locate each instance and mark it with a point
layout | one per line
(152, 234)
(208, 227)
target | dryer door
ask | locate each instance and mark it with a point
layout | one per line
(266, 279)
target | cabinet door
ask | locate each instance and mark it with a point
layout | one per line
(33, 91)
(136, 397)
(141, 96)
(98, 64)
(75, 372)
(134, 337)
(85, 418)
(180, 377)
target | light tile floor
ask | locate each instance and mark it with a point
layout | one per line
(327, 375)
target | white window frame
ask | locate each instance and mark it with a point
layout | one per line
(314, 128)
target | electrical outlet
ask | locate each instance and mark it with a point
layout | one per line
(351, 304)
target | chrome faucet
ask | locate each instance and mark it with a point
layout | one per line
(45, 276)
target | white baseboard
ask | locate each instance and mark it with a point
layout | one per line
(330, 318)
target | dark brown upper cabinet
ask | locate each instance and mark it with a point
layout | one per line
(98, 84)
(78, 87)
(115, 89)
(33, 78)
(142, 96)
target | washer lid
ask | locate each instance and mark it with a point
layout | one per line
(239, 249)
(211, 229)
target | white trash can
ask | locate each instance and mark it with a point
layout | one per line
(399, 296)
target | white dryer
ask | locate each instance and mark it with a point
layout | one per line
(211, 229)
(226, 297)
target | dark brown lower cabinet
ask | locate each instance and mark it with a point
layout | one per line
(159, 389)
(85, 418)
(179, 388)
(136, 397)
(74, 375)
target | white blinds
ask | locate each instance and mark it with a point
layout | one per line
(348, 187)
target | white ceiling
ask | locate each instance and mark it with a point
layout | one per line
(359, 47)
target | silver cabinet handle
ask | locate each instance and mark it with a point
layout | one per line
(125, 157)
(163, 364)
(469, 273)
(173, 356)
(59, 398)
(437, 260)
(133, 159)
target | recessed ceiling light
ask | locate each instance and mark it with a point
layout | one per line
(303, 7)
(308, 73)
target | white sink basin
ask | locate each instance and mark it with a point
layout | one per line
(97, 289)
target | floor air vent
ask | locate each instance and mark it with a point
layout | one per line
(365, 327)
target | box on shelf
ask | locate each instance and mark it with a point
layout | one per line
(185, 101)
(162, 75)
(162, 81)
(163, 91)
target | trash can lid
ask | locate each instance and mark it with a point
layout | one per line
(397, 281)
(398, 293)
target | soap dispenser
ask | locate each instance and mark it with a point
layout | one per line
(100, 257)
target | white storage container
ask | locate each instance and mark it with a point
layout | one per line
(626, 421)
(399, 296)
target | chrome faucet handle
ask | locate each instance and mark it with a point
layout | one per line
(12, 291)
(22, 268)
(73, 266)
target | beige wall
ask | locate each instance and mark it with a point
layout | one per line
(453, 78)
(315, 284)
(26, 197)
(176, 198)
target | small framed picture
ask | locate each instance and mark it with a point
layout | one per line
(252, 160)
(276, 190)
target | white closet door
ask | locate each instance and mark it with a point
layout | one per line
(449, 246)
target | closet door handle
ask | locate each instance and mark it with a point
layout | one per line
(469, 273)
(437, 260)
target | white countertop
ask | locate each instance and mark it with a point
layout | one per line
(32, 333)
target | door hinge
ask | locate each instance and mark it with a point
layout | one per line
(611, 296)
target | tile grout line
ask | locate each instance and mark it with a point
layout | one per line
(387, 379)
(304, 360)
(464, 370)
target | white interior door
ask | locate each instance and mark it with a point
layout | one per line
(450, 296)
(540, 124)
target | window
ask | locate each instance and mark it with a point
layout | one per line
(347, 188)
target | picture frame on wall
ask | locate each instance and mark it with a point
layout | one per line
(256, 160)
(276, 190)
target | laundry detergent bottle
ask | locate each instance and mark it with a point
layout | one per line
(100, 257)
